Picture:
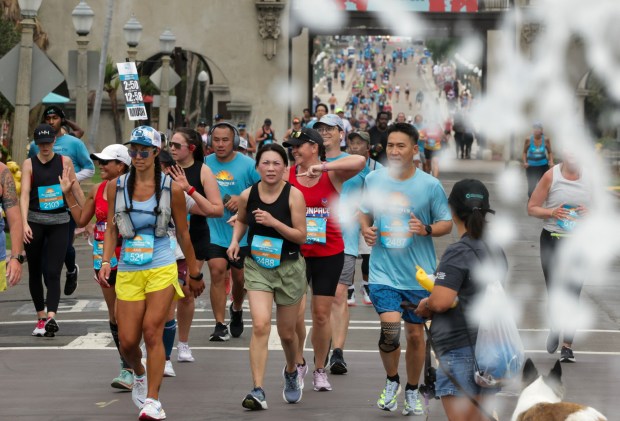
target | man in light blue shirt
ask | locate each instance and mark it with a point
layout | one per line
(75, 149)
(402, 209)
(234, 173)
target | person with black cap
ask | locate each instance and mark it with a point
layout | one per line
(72, 147)
(265, 135)
(201, 128)
(452, 333)
(46, 224)
(537, 157)
(321, 183)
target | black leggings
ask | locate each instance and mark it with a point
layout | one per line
(534, 174)
(548, 258)
(365, 264)
(49, 243)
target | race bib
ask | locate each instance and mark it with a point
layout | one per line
(267, 251)
(50, 197)
(316, 230)
(98, 255)
(99, 231)
(139, 250)
(569, 224)
(394, 231)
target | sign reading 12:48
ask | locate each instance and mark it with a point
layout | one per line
(128, 75)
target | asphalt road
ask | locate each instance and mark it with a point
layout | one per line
(68, 377)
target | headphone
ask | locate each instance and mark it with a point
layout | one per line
(236, 139)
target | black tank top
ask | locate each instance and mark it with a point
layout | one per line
(281, 211)
(192, 173)
(45, 193)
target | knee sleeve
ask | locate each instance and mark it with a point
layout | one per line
(389, 341)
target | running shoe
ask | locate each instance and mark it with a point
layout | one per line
(337, 365)
(169, 370)
(236, 322)
(124, 380)
(220, 334)
(184, 353)
(387, 401)
(566, 355)
(255, 400)
(553, 341)
(302, 370)
(39, 329)
(351, 296)
(292, 392)
(71, 283)
(152, 410)
(138, 391)
(51, 327)
(366, 297)
(413, 403)
(320, 382)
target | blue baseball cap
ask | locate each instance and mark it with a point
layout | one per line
(145, 136)
(331, 120)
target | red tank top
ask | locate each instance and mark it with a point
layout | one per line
(101, 215)
(321, 203)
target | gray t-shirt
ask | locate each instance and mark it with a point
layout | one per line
(449, 330)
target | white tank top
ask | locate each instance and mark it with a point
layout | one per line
(565, 192)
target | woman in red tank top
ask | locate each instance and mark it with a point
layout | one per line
(113, 161)
(320, 183)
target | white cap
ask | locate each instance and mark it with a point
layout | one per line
(113, 152)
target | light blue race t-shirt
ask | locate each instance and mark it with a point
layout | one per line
(394, 257)
(72, 147)
(350, 198)
(232, 177)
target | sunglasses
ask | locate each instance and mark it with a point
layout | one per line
(296, 122)
(142, 154)
(298, 135)
(105, 162)
(177, 145)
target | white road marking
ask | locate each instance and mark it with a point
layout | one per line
(104, 404)
(274, 343)
(91, 341)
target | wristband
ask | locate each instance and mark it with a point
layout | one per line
(324, 166)
(105, 262)
(196, 278)
(71, 207)
(191, 191)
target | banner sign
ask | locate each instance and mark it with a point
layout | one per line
(445, 6)
(128, 75)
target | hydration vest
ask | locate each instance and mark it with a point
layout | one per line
(122, 215)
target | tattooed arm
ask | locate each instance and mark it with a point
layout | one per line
(10, 204)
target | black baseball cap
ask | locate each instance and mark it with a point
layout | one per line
(469, 195)
(44, 133)
(267, 122)
(54, 109)
(304, 135)
(202, 122)
(218, 117)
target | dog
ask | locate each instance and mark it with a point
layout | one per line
(541, 399)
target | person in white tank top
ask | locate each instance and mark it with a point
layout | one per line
(561, 198)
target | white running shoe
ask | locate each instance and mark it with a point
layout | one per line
(366, 298)
(184, 353)
(351, 296)
(169, 370)
(138, 392)
(152, 410)
(39, 329)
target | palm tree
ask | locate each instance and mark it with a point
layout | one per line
(111, 82)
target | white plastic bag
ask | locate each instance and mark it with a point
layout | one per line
(499, 350)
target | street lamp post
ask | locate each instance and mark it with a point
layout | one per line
(132, 31)
(83, 17)
(29, 9)
(166, 43)
(203, 79)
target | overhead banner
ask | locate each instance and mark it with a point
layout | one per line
(446, 6)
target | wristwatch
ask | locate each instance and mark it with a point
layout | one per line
(196, 278)
(20, 258)
(429, 229)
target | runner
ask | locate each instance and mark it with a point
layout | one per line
(434, 137)
(537, 157)
(265, 135)
(198, 181)
(402, 210)
(321, 183)
(146, 281)
(274, 212)
(11, 273)
(113, 161)
(46, 225)
(74, 148)
(234, 173)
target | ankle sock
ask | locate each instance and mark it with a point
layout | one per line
(411, 386)
(395, 378)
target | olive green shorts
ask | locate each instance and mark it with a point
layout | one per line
(287, 282)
